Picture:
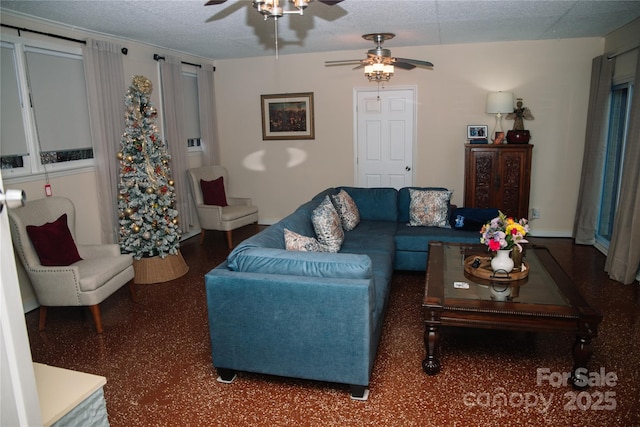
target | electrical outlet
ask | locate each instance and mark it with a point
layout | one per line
(535, 213)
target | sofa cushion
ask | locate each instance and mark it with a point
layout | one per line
(327, 225)
(291, 263)
(375, 204)
(429, 208)
(54, 243)
(360, 239)
(347, 209)
(409, 238)
(213, 192)
(297, 242)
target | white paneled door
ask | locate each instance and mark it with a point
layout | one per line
(385, 134)
(19, 404)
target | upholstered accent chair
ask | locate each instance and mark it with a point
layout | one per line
(212, 213)
(72, 275)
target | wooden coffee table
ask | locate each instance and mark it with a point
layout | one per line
(546, 301)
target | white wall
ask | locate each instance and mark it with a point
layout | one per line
(552, 77)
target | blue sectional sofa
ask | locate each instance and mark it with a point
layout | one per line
(316, 315)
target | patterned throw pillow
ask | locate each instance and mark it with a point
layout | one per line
(297, 242)
(327, 225)
(429, 208)
(347, 210)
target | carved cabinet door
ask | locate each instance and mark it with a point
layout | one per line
(498, 176)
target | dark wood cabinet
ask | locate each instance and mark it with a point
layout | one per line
(498, 176)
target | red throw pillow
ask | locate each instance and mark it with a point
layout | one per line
(213, 192)
(53, 243)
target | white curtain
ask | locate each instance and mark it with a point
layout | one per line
(104, 75)
(624, 250)
(176, 139)
(208, 118)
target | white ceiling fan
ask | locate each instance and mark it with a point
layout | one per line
(274, 9)
(379, 64)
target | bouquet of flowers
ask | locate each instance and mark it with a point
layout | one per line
(504, 233)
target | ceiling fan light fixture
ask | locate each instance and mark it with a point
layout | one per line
(378, 72)
(301, 4)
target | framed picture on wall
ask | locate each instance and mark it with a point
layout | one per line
(287, 116)
(476, 132)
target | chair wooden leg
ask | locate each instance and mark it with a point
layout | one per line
(97, 318)
(230, 239)
(43, 317)
(132, 289)
(202, 236)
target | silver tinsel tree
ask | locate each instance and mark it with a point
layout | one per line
(147, 216)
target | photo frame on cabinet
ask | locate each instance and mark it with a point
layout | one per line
(287, 116)
(477, 132)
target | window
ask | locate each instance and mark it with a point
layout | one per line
(191, 110)
(618, 124)
(45, 114)
(14, 147)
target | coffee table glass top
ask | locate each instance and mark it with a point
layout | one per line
(538, 288)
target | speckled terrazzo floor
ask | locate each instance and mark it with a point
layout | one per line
(156, 357)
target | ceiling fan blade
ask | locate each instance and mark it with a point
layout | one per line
(416, 62)
(226, 11)
(403, 65)
(214, 2)
(329, 14)
(344, 62)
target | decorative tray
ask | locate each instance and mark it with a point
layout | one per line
(484, 270)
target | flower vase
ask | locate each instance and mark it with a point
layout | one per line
(516, 255)
(501, 262)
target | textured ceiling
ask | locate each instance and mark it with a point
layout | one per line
(235, 30)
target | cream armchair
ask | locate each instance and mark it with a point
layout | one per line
(238, 213)
(87, 282)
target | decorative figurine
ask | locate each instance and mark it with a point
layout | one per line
(519, 135)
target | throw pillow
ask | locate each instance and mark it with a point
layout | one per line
(297, 242)
(213, 192)
(429, 208)
(327, 225)
(347, 210)
(54, 243)
(471, 219)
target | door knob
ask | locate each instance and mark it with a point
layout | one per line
(407, 168)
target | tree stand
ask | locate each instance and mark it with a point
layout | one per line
(158, 270)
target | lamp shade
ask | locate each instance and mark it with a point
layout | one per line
(499, 102)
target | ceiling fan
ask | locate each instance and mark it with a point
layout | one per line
(379, 64)
(273, 8)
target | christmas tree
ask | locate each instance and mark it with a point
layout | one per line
(147, 217)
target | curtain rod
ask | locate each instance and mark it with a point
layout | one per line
(44, 34)
(158, 58)
(124, 50)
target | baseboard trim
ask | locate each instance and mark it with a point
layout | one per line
(550, 233)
